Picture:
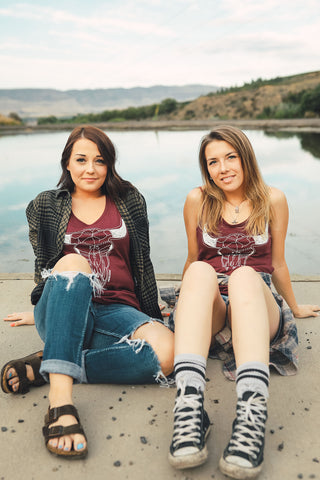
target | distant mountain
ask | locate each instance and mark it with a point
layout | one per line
(33, 103)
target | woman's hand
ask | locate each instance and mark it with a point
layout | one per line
(304, 311)
(21, 318)
(162, 307)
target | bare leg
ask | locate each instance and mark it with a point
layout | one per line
(254, 316)
(200, 315)
(200, 311)
(161, 340)
(254, 321)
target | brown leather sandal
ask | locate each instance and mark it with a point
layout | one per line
(34, 360)
(59, 431)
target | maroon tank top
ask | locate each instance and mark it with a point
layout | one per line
(233, 248)
(106, 246)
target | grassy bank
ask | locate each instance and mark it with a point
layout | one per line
(303, 124)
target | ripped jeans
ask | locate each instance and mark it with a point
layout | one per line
(89, 341)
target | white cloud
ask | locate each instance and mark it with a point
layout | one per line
(101, 22)
(131, 43)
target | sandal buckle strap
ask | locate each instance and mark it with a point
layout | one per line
(56, 412)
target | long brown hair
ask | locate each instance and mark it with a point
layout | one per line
(255, 189)
(114, 186)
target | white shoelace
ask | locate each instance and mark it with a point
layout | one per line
(187, 423)
(249, 429)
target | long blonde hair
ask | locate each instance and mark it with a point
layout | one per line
(255, 189)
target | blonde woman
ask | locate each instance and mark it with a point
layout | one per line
(236, 228)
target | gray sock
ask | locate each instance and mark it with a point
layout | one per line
(253, 377)
(190, 369)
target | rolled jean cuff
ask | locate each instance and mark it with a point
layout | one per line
(61, 367)
(83, 378)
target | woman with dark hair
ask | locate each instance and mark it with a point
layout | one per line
(96, 302)
(236, 227)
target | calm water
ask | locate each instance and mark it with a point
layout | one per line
(164, 166)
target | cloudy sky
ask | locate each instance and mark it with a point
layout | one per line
(77, 44)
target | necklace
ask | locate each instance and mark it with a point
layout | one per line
(236, 209)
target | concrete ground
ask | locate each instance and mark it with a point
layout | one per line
(129, 427)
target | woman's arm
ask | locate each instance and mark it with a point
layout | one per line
(191, 214)
(281, 276)
(32, 217)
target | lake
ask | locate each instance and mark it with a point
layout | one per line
(164, 166)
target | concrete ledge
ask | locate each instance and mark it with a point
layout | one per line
(167, 277)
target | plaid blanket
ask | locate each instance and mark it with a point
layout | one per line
(283, 351)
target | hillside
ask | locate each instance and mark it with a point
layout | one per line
(250, 101)
(10, 121)
(35, 103)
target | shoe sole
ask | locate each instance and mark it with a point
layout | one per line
(192, 460)
(235, 471)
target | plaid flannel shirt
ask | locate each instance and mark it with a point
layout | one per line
(48, 216)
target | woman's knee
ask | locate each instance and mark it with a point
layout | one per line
(72, 262)
(161, 340)
(242, 277)
(245, 284)
(200, 273)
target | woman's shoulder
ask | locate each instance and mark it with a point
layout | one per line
(132, 194)
(52, 194)
(47, 198)
(195, 195)
(132, 201)
(193, 204)
(277, 196)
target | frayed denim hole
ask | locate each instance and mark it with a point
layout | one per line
(70, 275)
(137, 344)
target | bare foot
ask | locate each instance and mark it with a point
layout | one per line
(17, 375)
(60, 395)
(13, 379)
(77, 441)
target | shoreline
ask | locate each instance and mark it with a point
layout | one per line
(289, 125)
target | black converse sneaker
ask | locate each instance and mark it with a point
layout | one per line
(243, 456)
(190, 430)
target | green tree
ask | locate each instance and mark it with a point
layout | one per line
(310, 101)
(15, 117)
(167, 106)
(47, 120)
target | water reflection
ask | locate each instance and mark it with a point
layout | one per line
(310, 142)
(164, 166)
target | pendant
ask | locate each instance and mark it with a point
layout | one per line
(236, 209)
(234, 221)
